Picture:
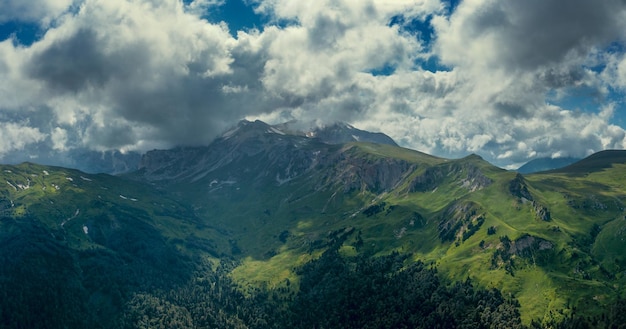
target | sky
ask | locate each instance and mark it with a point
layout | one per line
(508, 80)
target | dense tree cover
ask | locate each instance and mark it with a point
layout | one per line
(46, 284)
(384, 292)
(613, 318)
(140, 284)
(40, 284)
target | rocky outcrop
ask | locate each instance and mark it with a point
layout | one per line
(340, 133)
(373, 175)
(590, 203)
(519, 189)
(541, 212)
(460, 221)
(527, 243)
(428, 181)
(475, 180)
(336, 133)
(466, 174)
(530, 249)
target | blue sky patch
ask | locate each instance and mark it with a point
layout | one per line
(24, 33)
(238, 14)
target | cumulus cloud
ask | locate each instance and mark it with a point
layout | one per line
(139, 70)
(59, 139)
(36, 11)
(200, 7)
(527, 35)
(515, 59)
(141, 74)
(15, 136)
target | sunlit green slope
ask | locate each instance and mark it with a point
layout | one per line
(273, 202)
(89, 211)
(551, 240)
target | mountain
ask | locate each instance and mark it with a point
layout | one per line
(267, 228)
(109, 162)
(89, 161)
(595, 162)
(545, 164)
(337, 133)
(75, 248)
(340, 133)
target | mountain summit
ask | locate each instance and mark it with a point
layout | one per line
(339, 133)
(336, 133)
(267, 227)
(287, 150)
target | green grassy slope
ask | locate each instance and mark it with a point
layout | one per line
(85, 209)
(75, 247)
(461, 214)
(553, 240)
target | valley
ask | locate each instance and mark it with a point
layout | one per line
(242, 220)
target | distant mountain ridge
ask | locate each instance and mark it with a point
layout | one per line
(595, 162)
(545, 164)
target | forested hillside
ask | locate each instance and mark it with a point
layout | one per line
(262, 229)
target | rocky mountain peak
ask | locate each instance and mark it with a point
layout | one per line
(247, 129)
(335, 133)
(341, 132)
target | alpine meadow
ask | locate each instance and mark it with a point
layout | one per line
(266, 228)
(270, 164)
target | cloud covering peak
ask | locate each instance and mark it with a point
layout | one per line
(511, 80)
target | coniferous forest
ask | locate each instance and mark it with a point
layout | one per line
(46, 285)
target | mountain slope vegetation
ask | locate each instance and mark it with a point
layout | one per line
(259, 228)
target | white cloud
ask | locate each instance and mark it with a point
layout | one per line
(140, 74)
(38, 11)
(59, 139)
(200, 7)
(15, 136)
(142, 63)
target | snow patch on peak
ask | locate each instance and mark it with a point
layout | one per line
(230, 133)
(275, 131)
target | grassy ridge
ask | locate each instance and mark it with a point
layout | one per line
(553, 240)
(85, 210)
(580, 270)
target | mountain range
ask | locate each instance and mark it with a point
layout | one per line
(258, 228)
(545, 164)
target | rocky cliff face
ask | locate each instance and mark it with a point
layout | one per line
(255, 152)
(337, 133)
(356, 173)
(465, 173)
(460, 221)
(238, 148)
(340, 133)
(519, 188)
